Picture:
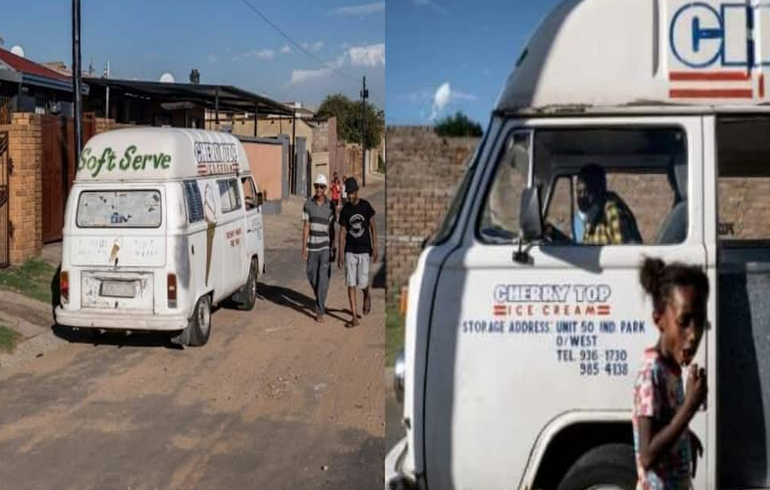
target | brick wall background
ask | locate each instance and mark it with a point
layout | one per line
(25, 205)
(423, 172)
(104, 125)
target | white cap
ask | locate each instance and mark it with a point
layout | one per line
(321, 180)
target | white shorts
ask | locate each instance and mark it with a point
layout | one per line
(357, 270)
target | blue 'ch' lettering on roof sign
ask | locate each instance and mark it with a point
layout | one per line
(700, 36)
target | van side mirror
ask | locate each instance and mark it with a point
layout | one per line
(530, 217)
(260, 199)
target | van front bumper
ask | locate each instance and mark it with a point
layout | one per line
(119, 320)
(395, 477)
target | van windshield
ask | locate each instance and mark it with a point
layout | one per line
(119, 209)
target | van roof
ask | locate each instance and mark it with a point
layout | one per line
(590, 55)
(159, 154)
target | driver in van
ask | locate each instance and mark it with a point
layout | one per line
(607, 219)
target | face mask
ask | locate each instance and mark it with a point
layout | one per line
(589, 214)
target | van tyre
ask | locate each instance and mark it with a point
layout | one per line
(248, 294)
(199, 328)
(607, 466)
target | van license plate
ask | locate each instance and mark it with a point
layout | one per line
(119, 289)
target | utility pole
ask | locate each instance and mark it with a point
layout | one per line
(293, 171)
(364, 95)
(77, 81)
(107, 98)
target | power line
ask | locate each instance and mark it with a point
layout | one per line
(298, 45)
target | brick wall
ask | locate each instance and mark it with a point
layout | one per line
(25, 206)
(744, 208)
(104, 125)
(352, 165)
(423, 172)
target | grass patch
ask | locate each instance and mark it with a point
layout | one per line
(33, 279)
(394, 330)
(8, 339)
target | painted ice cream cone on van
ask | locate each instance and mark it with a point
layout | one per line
(209, 215)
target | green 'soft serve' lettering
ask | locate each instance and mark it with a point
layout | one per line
(130, 160)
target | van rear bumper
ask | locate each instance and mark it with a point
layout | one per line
(119, 320)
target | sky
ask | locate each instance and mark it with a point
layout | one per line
(450, 55)
(226, 41)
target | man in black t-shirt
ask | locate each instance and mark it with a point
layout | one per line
(358, 240)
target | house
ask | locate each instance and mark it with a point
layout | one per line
(26, 86)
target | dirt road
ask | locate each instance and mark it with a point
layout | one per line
(274, 401)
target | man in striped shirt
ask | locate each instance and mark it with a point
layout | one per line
(318, 242)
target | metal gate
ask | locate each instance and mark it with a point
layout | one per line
(5, 165)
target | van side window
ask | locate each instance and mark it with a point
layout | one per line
(192, 194)
(613, 186)
(229, 195)
(744, 180)
(249, 193)
(500, 218)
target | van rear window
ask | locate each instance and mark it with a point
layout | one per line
(119, 209)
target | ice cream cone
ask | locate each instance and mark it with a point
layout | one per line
(209, 246)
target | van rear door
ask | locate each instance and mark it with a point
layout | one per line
(118, 241)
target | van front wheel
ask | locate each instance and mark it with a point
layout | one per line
(610, 466)
(199, 328)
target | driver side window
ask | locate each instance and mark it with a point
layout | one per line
(500, 218)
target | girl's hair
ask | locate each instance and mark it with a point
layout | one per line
(659, 279)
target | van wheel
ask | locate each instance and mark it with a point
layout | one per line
(249, 291)
(611, 466)
(198, 330)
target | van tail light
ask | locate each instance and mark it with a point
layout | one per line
(171, 290)
(64, 286)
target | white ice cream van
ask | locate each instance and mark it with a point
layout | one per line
(522, 342)
(160, 226)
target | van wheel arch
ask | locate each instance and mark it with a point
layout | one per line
(247, 295)
(575, 441)
(193, 335)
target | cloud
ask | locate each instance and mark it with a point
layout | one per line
(316, 46)
(263, 54)
(371, 55)
(367, 56)
(266, 54)
(285, 49)
(360, 10)
(212, 58)
(430, 3)
(443, 96)
(302, 76)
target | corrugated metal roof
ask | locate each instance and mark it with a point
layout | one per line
(28, 67)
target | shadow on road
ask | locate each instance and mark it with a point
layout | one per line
(295, 300)
(116, 338)
(379, 279)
